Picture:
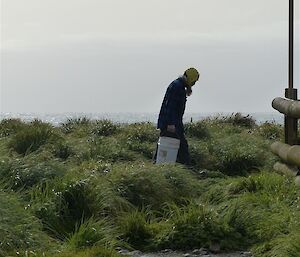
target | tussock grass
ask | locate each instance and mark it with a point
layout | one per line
(234, 158)
(62, 150)
(198, 130)
(140, 138)
(139, 183)
(31, 137)
(190, 227)
(19, 229)
(141, 132)
(261, 208)
(10, 126)
(235, 119)
(93, 187)
(63, 205)
(271, 131)
(109, 150)
(135, 227)
(105, 128)
(25, 173)
(92, 233)
(72, 124)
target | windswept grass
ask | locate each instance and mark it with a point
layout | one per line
(19, 229)
(92, 233)
(30, 171)
(10, 126)
(109, 150)
(72, 124)
(198, 130)
(235, 119)
(136, 229)
(88, 186)
(31, 137)
(190, 227)
(105, 128)
(139, 183)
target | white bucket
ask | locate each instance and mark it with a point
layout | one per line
(167, 150)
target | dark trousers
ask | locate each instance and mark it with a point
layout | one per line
(183, 156)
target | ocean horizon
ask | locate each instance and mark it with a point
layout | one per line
(130, 117)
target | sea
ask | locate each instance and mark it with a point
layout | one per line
(127, 117)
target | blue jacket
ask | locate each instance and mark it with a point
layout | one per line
(173, 106)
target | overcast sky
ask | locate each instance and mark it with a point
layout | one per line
(120, 55)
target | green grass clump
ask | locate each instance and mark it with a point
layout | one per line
(25, 173)
(10, 126)
(139, 184)
(64, 204)
(237, 119)
(19, 229)
(141, 132)
(109, 150)
(261, 209)
(271, 131)
(192, 226)
(233, 150)
(197, 130)
(104, 128)
(91, 233)
(31, 137)
(62, 150)
(72, 124)
(90, 189)
(135, 228)
(236, 158)
(140, 138)
(284, 245)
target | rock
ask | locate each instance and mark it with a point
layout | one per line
(187, 255)
(246, 254)
(167, 251)
(135, 253)
(203, 173)
(201, 251)
(123, 251)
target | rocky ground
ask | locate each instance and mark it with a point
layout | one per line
(195, 253)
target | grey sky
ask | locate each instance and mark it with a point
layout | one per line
(120, 55)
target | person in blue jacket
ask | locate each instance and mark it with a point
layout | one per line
(172, 110)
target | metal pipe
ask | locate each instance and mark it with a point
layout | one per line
(291, 43)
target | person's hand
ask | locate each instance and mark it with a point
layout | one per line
(171, 128)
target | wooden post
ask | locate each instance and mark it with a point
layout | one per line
(291, 124)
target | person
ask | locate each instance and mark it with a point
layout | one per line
(172, 110)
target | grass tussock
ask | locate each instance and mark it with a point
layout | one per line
(19, 229)
(31, 137)
(92, 233)
(10, 126)
(86, 187)
(197, 130)
(105, 128)
(138, 184)
(135, 227)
